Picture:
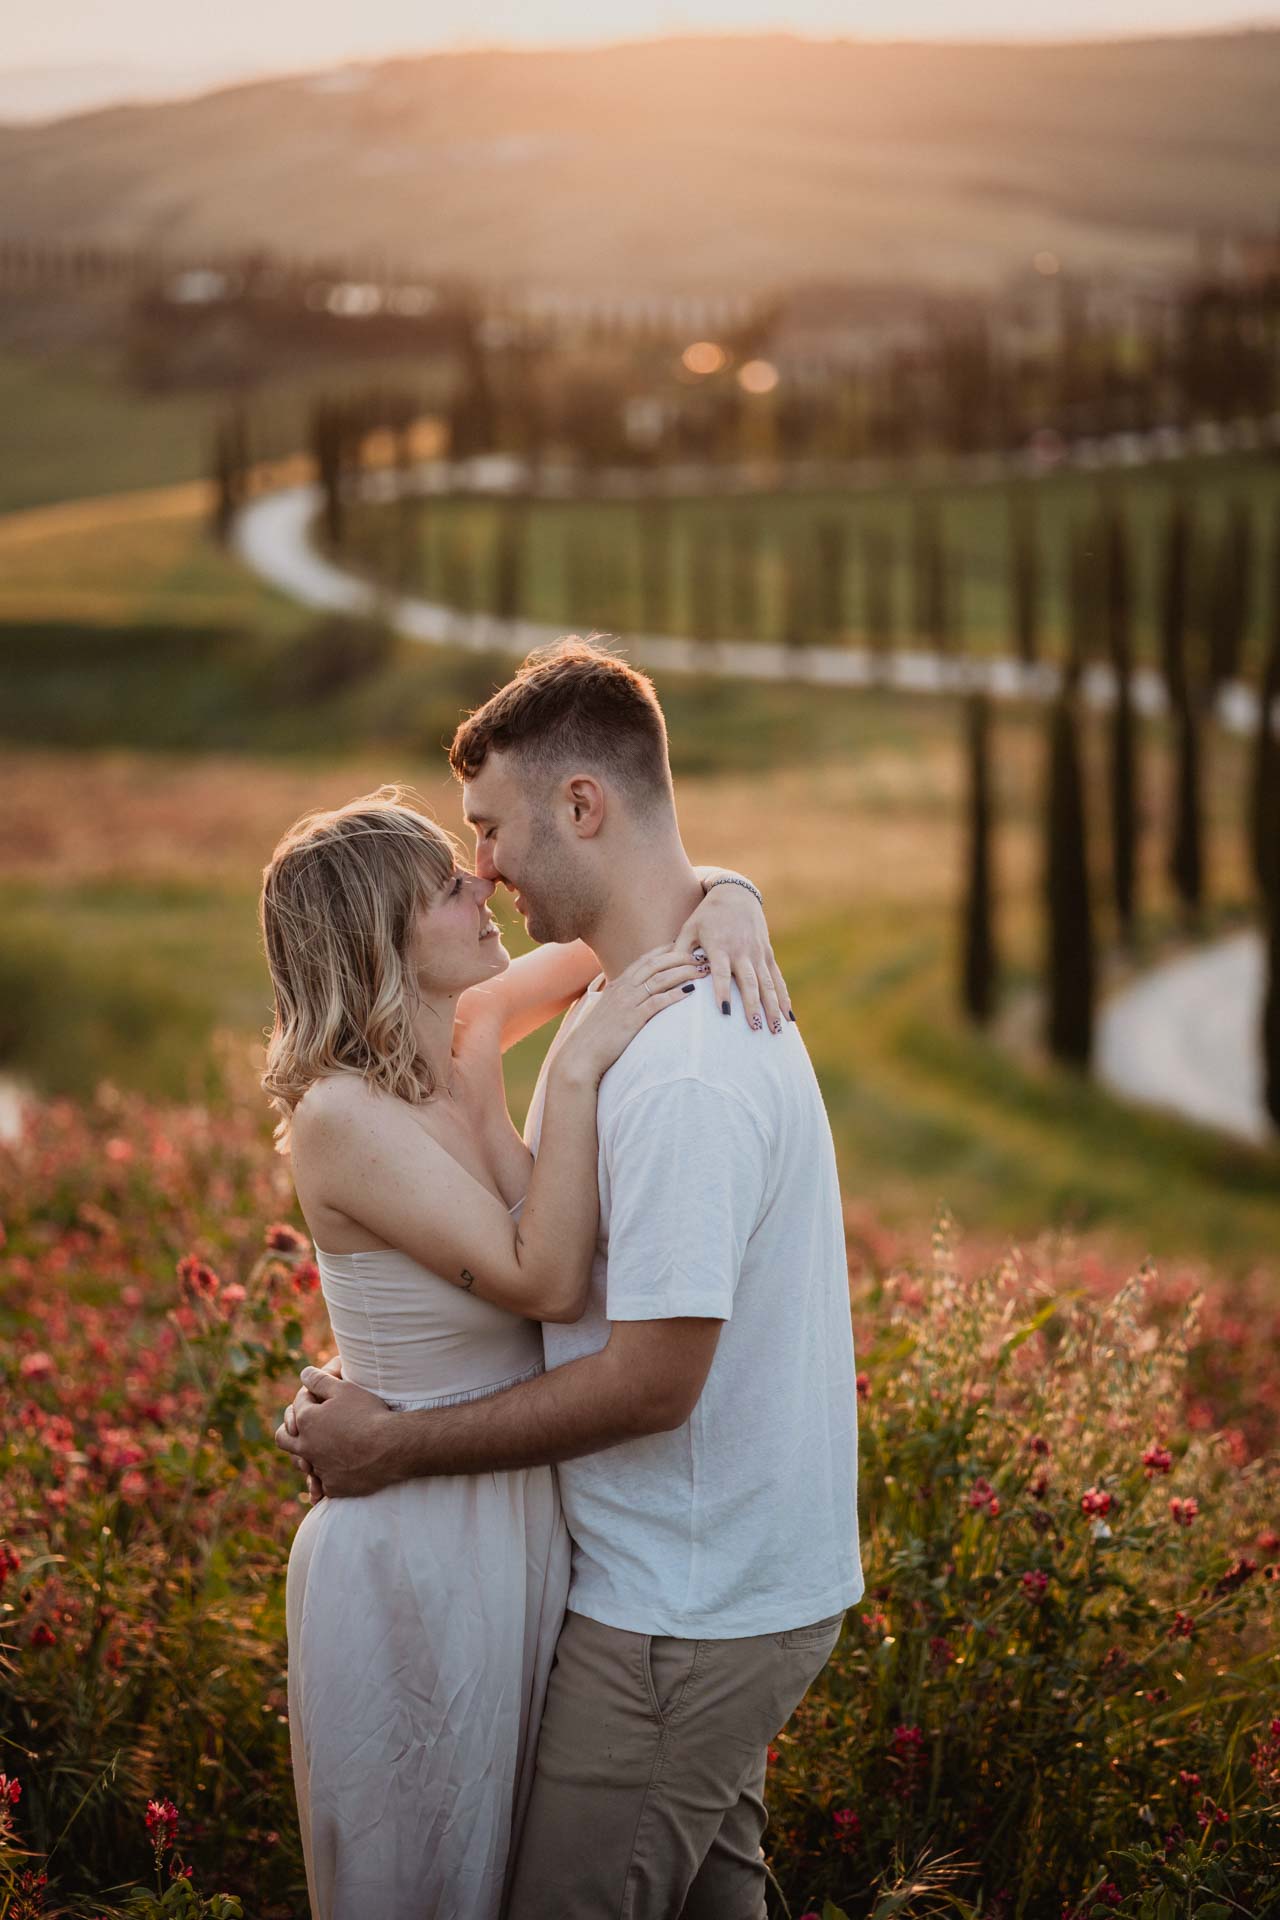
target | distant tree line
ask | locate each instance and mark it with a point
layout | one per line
(1198, 657)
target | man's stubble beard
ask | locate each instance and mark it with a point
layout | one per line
(561, 902)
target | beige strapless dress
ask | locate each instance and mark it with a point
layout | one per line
(422, 1623)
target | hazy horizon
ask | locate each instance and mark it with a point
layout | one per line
(55, 64)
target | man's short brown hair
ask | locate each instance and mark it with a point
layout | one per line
(573, 703)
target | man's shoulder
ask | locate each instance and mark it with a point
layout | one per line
(693, 1044)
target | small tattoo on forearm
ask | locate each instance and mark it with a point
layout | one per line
(468, 1279)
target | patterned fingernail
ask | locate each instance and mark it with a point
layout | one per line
(724, 1006)
(777, 1026)
(756, 1021)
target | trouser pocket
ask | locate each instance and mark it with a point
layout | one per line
(668, 1666)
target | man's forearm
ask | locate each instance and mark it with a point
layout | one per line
(575, 1409)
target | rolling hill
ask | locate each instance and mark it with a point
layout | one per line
(689, 163)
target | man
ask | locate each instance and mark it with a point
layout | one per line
(703, 1410)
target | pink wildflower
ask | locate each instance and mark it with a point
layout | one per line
(36, 1366)
(282, 1238)
(199, 1282)
(1184, 1511)
(162, 1824)
(1035, 1584)
(1095, 1500)
(1157, 1459)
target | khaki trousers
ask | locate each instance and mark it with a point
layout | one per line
(647, 1800)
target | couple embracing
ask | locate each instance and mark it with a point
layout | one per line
(584, 1469)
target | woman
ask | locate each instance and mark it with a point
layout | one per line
(422, 1619)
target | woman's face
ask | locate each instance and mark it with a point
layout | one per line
(456, 942)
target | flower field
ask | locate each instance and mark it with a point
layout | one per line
(1059, 1695)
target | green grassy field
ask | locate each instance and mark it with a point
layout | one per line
(75, 427)
(154, 753)
(583, 563)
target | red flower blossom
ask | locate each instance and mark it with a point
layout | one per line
(1157, 1459)
(1038, 1443)
(1235, 1576)
(10, 1790)
(42, 1635)
(199, 1282)
(864, 1386)
(282, 1238)
(1035, 1584)
(1183, 1626)
(980, 1495)
(305, 1277)
(1268, 1540)
(9, 1561)
(771, 1757)
(1188, 1780)
(1184, 1511)
(1094, 1500)
(162, 1824)
(941, 1651)
(36, 1366)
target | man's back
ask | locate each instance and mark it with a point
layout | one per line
(719, 1199)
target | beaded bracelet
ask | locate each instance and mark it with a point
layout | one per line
(734, 880)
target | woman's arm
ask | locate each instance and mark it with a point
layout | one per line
(729, 926)
(535, 988)
(369, 1158)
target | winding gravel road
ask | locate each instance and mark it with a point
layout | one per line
(1185, 1036)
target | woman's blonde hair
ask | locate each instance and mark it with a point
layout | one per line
(339, 896)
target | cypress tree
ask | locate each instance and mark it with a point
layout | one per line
(1124, 741)
(655, 565)
(1024, 577)
(744, 585)
(1264, 796)
(703, 561)
(877, 572)
(929, 572)
(1175, 600)
(980, 969)
(508, 561)
(1227, 613)
(795, 595)
(830, 543)
(224, 484)
(1186, 853)
(1070, 929)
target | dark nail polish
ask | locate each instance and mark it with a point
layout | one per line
(724, 1006)
(791, 1016)
(687, 987)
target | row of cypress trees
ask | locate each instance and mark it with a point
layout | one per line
(1191, 678)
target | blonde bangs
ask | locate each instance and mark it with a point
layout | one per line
(339, 896)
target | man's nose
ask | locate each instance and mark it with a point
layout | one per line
(485, 869)
(485, 885)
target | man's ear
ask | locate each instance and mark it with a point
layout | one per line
(584, 797)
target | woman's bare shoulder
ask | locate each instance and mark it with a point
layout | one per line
(336, 1104)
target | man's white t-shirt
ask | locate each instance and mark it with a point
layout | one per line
(719, 1197)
